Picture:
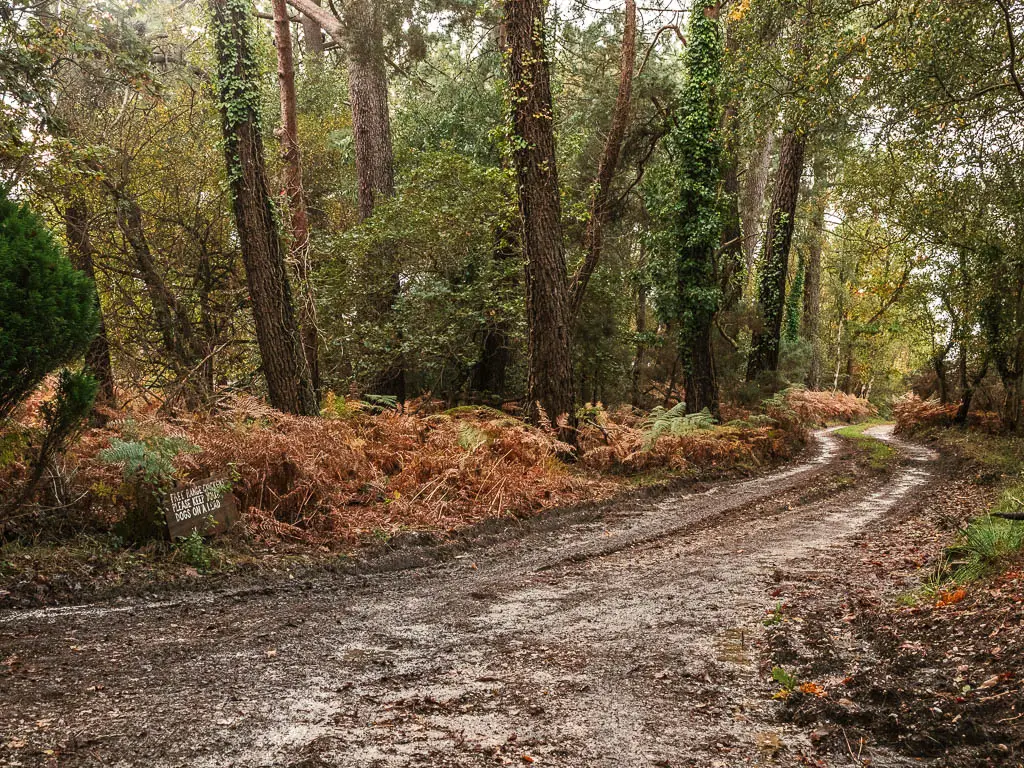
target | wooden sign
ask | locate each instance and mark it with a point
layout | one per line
(208, 507)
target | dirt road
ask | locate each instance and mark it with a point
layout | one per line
(628, 638)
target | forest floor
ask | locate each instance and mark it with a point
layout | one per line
(642, 633)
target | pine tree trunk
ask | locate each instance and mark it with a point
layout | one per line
(277, 331)
(550, 384)
(812, 275)
(294, 191)
(764, 354)
(97, 356)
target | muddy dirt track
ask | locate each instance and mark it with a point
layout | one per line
(628, 638)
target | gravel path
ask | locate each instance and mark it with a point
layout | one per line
(629, 639)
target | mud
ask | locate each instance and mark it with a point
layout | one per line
(632, 637)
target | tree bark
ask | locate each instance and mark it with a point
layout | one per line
(312, 37)
(171, 317)
(362, 35)
(812, 274)
(277, 331)
(641, 346)
(97, 356)
(599, 209)
(764, 354)
(939, 364)
(755, 181)
(548, 306)
(294, 191)
(701, 381)
(967, 388)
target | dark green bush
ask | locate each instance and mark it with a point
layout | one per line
(48, 311)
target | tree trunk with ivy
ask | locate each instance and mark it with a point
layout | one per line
(548, 310)
(294, 191)
(688, 208)
(277, 331)
(771, 296)
(812, 273)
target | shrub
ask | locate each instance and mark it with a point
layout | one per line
(148, 468)
(912, 413)
(62, 415)
(675, 421)
(48, 311)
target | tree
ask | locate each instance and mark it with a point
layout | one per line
(361, 31)
(48, 311)
(97, 355)
(277, 332)
(295, 192)
(771, 292)
(687, 206)
(532, 145)
(599, 208)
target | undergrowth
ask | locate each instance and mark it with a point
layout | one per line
(363, 471)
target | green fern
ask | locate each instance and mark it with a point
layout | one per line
(150, 459)
(675, 421)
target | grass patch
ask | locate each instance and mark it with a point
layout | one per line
(878, 454)
(987, 541)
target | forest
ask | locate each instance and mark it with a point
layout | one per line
(369, 276)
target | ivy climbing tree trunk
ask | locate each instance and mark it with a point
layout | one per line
(812, 271)
(97, 356)
(277, 331)
(548, 309)
(771, 296)
(294, 191)
(688, 208)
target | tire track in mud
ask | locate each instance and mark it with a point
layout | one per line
(629, 640)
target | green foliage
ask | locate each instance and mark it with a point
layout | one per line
(148, 467)
(878, 453)
(685, 196)
(194, 550)
(448, 232)
(786, 680)
(674, 421)
(150, 459)
(794, 304)
(47, 308)
(471, 437)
